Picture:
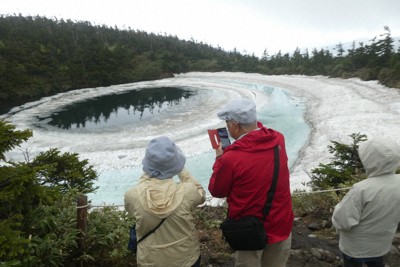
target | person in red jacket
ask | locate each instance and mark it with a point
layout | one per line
(243, 172)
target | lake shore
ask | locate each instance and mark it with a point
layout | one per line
(334, 109)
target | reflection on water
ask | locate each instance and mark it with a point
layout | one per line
(117, 109)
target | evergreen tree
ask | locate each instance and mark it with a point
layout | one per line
(340, 50)
(344, 169)
(25, 187)
(41, 56)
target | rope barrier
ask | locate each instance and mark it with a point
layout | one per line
(293, 194)
(82, 207)
(105, 206)
(321, 191)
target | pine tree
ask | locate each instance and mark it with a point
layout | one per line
(26, 187)
(344, 169)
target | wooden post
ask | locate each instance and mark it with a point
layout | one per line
(82, 224)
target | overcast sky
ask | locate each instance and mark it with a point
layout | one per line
(250, 26)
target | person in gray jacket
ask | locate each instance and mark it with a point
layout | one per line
(368, 216)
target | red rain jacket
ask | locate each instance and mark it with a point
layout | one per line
(244, 173)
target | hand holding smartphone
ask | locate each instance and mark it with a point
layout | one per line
(217, 136)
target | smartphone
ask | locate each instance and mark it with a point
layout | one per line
(224, 137)
(219, 135)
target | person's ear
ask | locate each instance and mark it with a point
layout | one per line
(235, 127)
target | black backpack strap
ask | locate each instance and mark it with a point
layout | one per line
(271, 192)
(152, 231)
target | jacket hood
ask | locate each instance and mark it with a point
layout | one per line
(159, 197)
(379, 156)
(257, 140)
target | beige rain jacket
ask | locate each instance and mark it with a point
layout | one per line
(175, 242)
(368, 215)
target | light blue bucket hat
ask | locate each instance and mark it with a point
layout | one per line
(163, 158)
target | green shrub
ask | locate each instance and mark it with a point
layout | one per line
(107, 237)
(62, 172)
(345, 168)
(53, 233)
(343, 171)
(319, 205)
(38, 211)
(367, 74)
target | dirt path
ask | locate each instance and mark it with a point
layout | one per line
(310, 248)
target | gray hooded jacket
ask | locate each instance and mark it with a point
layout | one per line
(368, 215)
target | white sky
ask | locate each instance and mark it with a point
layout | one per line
(250, 26)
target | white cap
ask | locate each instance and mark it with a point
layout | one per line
(242, 111)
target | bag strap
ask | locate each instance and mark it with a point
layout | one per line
(271, 192)
(152, 231)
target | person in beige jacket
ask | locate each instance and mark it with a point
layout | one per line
(158, 196)
(368, 216)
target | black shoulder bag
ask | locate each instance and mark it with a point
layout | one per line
(248, 233)
(133, 242)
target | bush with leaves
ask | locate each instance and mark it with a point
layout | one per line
(319, 205)
(107, 236)
(14, 180)
(38, 211)
(53, 237)
(345, 168)
(64, 171)
(53, 233)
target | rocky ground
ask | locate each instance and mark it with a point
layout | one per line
(314, 243)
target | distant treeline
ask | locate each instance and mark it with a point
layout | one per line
(41, 56)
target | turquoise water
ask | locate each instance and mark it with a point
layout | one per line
(283, 113)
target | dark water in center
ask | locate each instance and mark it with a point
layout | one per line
(117, 109)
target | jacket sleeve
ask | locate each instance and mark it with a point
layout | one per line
(199, 195)
(129, 201)
(221, 179)
(348, 212)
